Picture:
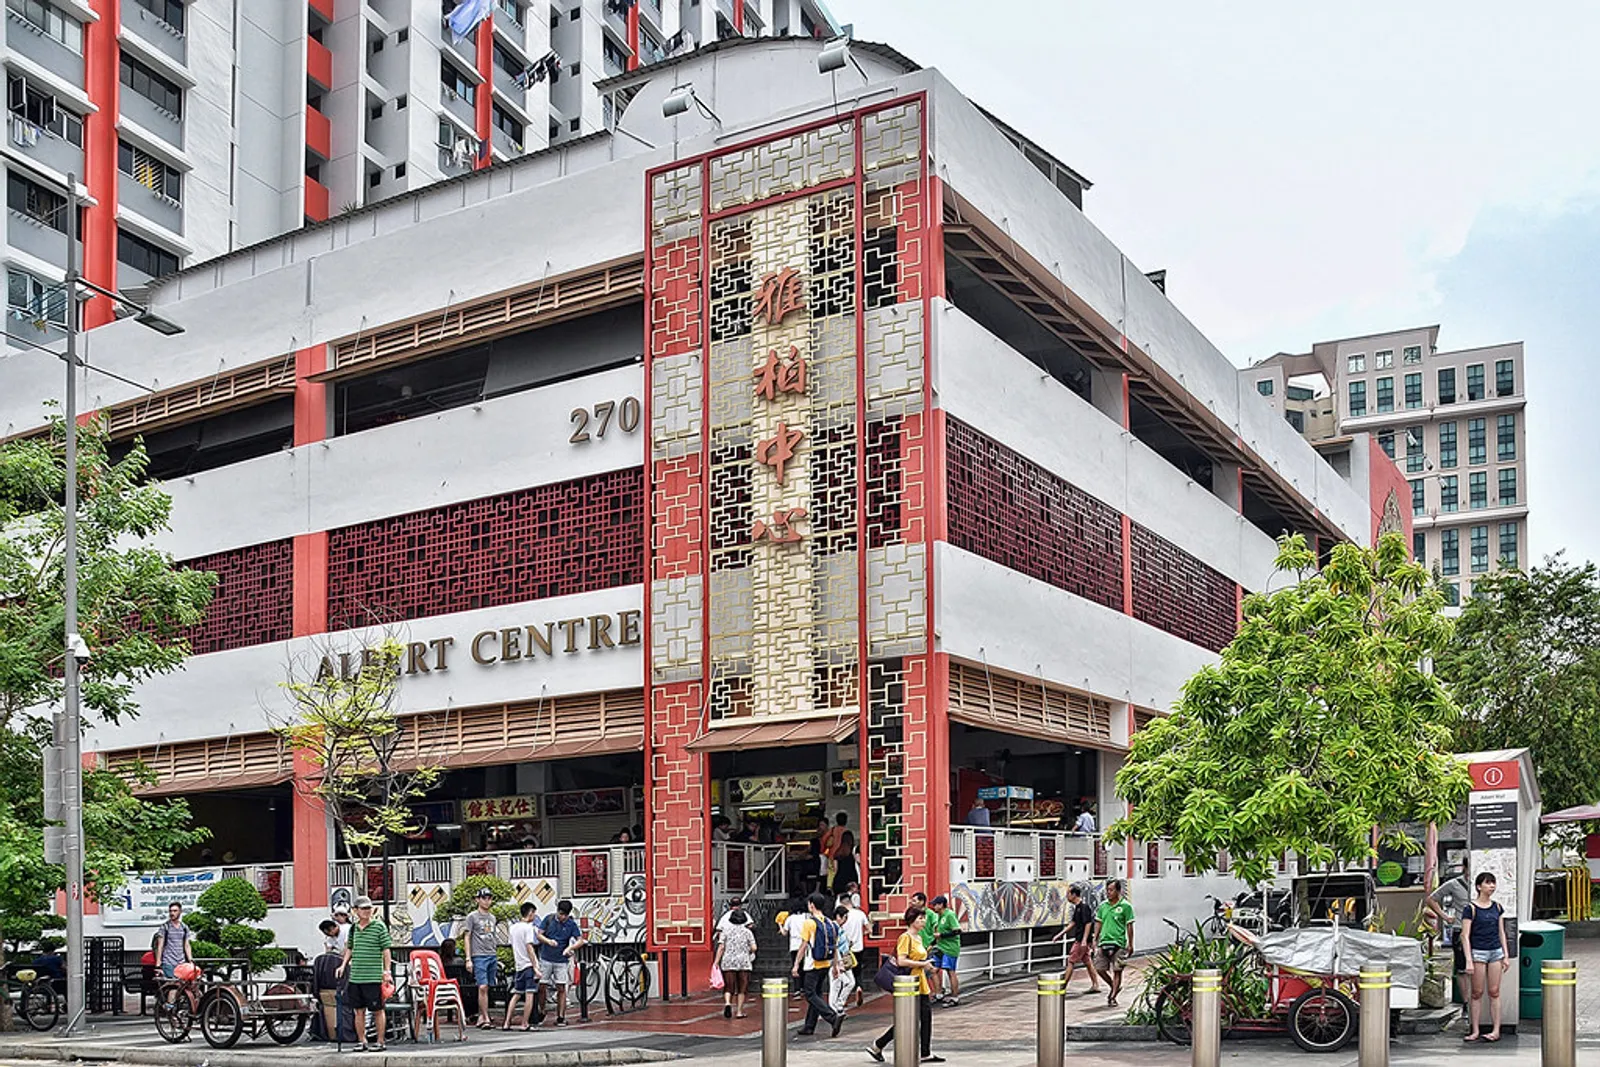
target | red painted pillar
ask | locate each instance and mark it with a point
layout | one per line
(485, 97)
(310, 616)
(633, 35)
(738, 17)
(101, 60)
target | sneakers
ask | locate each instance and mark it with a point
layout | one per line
(875, 1052)
(838, 1024)
(952, 1002)
(933, 1059)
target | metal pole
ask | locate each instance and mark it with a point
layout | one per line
(1052, 1019)
(774, 1022)
(72, 764)
(1374, 987)
(1558, 1037)
(1206, 1005)
(907, 1041)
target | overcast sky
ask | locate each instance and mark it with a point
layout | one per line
(1306, 173)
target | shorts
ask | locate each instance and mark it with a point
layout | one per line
(1458, 952)
(555, 972)
(526, 980)
(1113, 957)
(364, 995)
(170, 970)
(1487, 955)
(485, 969)
(1078, 954)
(942, 961)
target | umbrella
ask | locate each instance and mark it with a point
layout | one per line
(1581, 813)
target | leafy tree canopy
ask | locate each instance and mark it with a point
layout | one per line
(1319, 722)
(1525, 668)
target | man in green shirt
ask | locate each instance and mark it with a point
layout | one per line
(941, 935)
(1112, 940)
(366, 957)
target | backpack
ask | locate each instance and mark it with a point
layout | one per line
(825, 942)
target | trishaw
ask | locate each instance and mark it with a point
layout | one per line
(226, 1007)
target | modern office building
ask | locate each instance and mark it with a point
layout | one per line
(798, 448)
(1454, 421)
(196, 129)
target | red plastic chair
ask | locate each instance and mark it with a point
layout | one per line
(435, 994)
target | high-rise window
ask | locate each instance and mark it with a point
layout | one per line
(143, 256)
(32, 299)
(1505, 433)
(1414, 390)
(1480, 549)
(42, 205)
(154, 174)
(49, 20)
(1450, 551)
(1385, 394)
(1475, 381)
(1418, 497)
(1478, 489)
(1508, 485)
(168, 11)
(1358, 398)
(1357, 363)
(1449, 489)
(1413, 354)
(1419, 546)
(1452, 594)
(1386, 442)
(1447, 445)
(1383, 359)
(456, 84)
(1264, 387)
(1477, 451)
(1508, 544)
(152, 86)
(42, 108)
(1447, 385)
(1505, 377)
(1414, 454)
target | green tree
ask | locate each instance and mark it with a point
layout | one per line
(133, 605)
(342, 721)
(224, 925)
(1525, 668)
(1320, 722)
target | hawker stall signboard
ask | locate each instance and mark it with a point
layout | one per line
(143, 901)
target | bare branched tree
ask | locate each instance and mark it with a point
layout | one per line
(342, 719)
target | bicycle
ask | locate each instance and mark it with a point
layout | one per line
(177, 1004)
(39, 1004)
(627, 981)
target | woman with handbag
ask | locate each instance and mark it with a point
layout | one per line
(736, 955)
(910, 957)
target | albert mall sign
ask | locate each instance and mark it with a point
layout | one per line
(508, 644)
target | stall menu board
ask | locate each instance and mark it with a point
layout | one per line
(781, 787)
(587, 802)
(497, 809)
(591, 874)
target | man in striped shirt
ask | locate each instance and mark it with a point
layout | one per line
(366, 956)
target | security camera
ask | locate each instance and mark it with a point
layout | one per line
(78, 648)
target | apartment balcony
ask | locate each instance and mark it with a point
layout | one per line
(35, 238)
(31, 42)
(319, 63)
(1438, 519)
(316, 200)
(504, 144)
(44, 147)
(319, 133)
(466, 49)
(459, 106)
(148, 115)
(509, 28)
(450, 164)
(148, 204)
(616, 26)
(156, 32)
(507, 86)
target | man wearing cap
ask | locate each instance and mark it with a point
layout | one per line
(367, 961)
(341, 918)
(478, 929)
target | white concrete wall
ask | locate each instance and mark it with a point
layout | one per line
(508, 443)
(994, 389)
(988, 613)
(239, 691)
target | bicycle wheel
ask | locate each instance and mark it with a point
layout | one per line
(1322, 1020)
(40, 1006)
(285, 1029)
(1214, 928)
(174, 1013)
(221, 1021)
(1174, 1012)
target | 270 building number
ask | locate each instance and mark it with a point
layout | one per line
(626, 412)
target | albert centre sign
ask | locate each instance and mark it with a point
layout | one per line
(549, 640)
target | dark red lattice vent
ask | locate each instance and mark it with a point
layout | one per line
(254, 599)
(1007, 508)
(548, 541)
(1176, 592)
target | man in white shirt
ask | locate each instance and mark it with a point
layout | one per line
(525, 976)
(341, 916)
(794, 924)
(1085, 823)
(853, 938)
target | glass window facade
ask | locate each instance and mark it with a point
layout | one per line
(1480, 549)
(1358, 398)
(1478, 489)
(1414, 390)
(1475, 381)
(1450, 551)
(1418, 496)
(1447, 444)
(1508, 486)
(1508, 544)
(1505, 377)
(1477, 450)
(1385, 394)
(1505, 436)
(1449, 490)
(1447, 385)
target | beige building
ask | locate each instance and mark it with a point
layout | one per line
(1454, 422)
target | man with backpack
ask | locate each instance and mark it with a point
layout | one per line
(819, 944)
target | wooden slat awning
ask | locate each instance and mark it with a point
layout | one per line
(991, 700)
(785, 734)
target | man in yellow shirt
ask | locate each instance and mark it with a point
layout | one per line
(819, 944)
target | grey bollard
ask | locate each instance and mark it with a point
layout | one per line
(1206, 1009)
(774, 1022)
(907, 1042)
(1052, 1019)
(1558, 1037)
(1374, 988)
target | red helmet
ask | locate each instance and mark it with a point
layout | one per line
(187, 972)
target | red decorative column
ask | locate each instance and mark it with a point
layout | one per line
(310, 817)
(485, 97)
(102, 57)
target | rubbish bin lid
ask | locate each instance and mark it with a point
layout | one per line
(1539, 926)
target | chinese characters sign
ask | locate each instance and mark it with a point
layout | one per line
(781, 787)
(497, 809)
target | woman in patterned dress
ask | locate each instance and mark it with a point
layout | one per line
(736, 955)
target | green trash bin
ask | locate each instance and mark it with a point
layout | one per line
(1537, 942)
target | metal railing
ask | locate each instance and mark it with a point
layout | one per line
(1000, 855)
(613, 864)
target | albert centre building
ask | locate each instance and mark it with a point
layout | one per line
(794, 447)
